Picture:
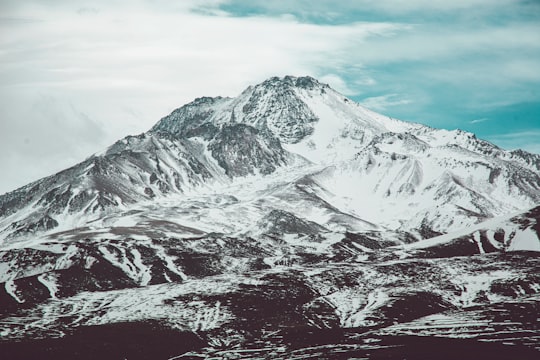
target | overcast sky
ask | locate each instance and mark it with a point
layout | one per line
(77, 75)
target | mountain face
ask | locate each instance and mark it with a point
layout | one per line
(288, 195)
(365, 166)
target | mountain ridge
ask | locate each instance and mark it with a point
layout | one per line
(290, 122)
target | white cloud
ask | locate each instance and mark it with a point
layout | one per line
(383, 102)
(338, 83)
(103, 61)
(478, 121)
(400, 6)
(432, 43)
(124, 64)
(527, 140)
(331, 8)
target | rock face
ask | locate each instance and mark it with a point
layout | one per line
(243, 150)
(275, 105)
(192, 120)
(292, 197)
(279, 222)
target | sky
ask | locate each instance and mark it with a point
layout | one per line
(75, 76)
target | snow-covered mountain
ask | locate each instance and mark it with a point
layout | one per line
(288, 189)
(355, 169)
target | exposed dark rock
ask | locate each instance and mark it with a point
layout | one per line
(243, 150)
(283, 222)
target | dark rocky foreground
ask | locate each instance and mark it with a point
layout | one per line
(328, 306)
(145, 340)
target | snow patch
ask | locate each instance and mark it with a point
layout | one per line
(525, 240)
(11, 289)
(49, 281)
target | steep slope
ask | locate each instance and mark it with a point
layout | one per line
(135, 170)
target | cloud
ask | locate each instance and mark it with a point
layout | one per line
(400, 6)
(333, 9)
(120, 65)
(526, 140)
(478, 121)
(87, 11)
(47, 136)
(339, 84)
(68, 75)
(383, 102)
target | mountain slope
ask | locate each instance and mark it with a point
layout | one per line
(375, 238)
(508, 233)
(373, 169)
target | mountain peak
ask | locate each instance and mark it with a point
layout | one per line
(303, 82)
(275, 105)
